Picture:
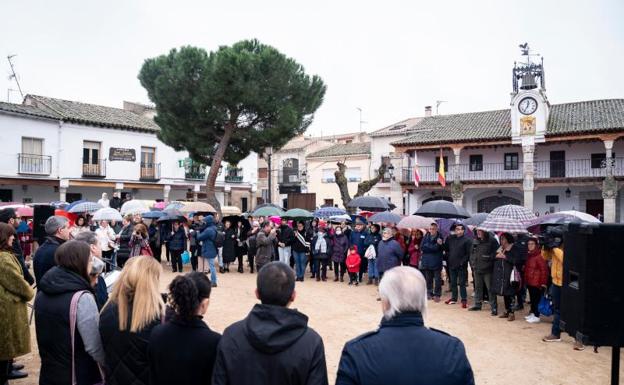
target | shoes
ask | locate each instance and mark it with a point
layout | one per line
(214, 284)
(324, 279)
(494, 313)
(336, 279)
(370, 281)
(475, 308)
(221, 270)
(15, 366)
(376, 281)
(174, 271)
(533, 319)
(341, 279)
(356, 283)
(551, 338)
(464, 304)
(450, 301)
(578, 346)
(436, 299)
(504, 315)
(350, 283)
(318, 278)
(529, 316)
(511, 317)
(16, 374)
(240, 270)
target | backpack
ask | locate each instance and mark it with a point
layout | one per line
(219, 239)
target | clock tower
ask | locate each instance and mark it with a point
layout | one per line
(529, 105)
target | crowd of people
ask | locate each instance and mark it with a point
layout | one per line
(137, 335)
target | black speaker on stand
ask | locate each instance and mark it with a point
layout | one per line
(41, 213)
(592, 295)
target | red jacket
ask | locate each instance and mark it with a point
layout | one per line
(414, 251)
(353, 262)
(535, 269)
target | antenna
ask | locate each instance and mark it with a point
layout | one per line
(14, 75)
(361, 121)
(438, 102)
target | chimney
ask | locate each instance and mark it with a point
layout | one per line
(427, 111)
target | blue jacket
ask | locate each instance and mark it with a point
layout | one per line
(208, 237)
(431, 252)
(357, 239)
(403, 351)
(389, 254)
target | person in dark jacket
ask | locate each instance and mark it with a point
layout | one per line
(241, 244)
(252, 248)
(506, 260)
(285, 239)
(57, 228)
(229, 246)
(403, 351)
(265, 245)
(183, 350)
(154, 240)
(10, 217)
(135, 307)
(311, 231)
(358, 236)
(207, 237)
(274, 344)
(340, 247)
(300, 250)
(372, 239)
(431, 261)
(482, 264)
(195, 228)
(177, 245)
(123, 239)
(115, 202)
(389, 252)
(321, 249)
(57, 288)
(458, 248)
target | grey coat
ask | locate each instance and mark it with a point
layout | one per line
(265, 245)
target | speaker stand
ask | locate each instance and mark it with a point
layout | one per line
(615, 365)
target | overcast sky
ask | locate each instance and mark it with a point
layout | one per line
(390, 58)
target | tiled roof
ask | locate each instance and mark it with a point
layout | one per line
(343, 150)
(398, 128)
(92, 114)
(568, 118)
(299, 144)
(27, 110)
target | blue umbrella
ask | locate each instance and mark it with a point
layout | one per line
(153, 214)
(326, 212)
(71, 205)
(445, 227)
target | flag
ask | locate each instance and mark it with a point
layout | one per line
(416, 176)
(441, 175)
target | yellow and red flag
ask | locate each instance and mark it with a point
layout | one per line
(441, 174)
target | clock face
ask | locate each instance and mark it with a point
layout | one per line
(527, 106)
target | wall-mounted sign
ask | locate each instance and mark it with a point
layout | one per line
(124, 154)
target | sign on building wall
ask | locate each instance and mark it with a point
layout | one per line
(123, 154)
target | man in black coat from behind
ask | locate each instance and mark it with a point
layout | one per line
(403, 351)
(274, 344)
(57, 230)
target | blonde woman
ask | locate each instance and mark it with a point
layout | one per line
(134, 308)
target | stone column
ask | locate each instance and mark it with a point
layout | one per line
(118, 187)
(196, 190)
(166, 191)
(63, 186)
(457, 191)
(609, 185)
(528, 173)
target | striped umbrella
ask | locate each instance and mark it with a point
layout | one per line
(502, 224)
(519, 213)
(85, 207)
(326, 212)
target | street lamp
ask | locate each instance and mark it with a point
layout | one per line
(269, 152)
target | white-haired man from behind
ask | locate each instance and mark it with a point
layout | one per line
(403, 350)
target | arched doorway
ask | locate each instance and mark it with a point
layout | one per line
(488, 204)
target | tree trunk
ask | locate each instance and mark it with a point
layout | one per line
(367, 185)
(341, 181)
(211, 197)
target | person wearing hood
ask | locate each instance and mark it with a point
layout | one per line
(57, 229)
(389, 252)
(208, 237)
(64, 292)
(104, 201)
(340, 247)
(372, 239)
(274, 344)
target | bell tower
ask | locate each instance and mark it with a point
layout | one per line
(529, 104)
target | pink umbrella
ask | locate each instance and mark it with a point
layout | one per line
(25, 211)
(160, 205)
(278, 220)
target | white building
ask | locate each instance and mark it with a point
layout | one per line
(56, 149)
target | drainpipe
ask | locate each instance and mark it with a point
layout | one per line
(59, 150)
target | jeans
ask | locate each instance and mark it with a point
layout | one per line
(482, 281)
(300, 263)
(213, 271)
(220, 258)
(284, 254)
(320, 267)
(555, 292)
(434, 282)
(459, 277)
(372, 269)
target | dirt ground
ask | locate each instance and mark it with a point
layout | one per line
(500, 352)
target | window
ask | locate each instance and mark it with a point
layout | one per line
(476, 162)
(328, 202)
(91, 159)
(263, 173)
(552, 199)
(511, 161)
(244, 205)
(386, 177)
(328, 175)
(148, 163)
(32, 146)
(599, 160)
(437, 163)
(31, 160)
(354, 174)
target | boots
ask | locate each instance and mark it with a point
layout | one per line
(336, 278)
(370, 281)
(376, 281)
(342, 278)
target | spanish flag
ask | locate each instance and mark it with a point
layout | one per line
(441, 175)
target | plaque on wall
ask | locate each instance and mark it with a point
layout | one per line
(124, 154)
(527, 125)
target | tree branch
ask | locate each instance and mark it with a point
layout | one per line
(341, 181)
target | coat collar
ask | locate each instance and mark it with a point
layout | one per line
(195, 322)
(411, 318)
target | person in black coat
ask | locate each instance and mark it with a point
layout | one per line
(183, 351)
(274, 344)
(123, 238)
(458, 248)
(252, 248)
(403, 350)
(241, 244)
(57, 228)
(230, 243)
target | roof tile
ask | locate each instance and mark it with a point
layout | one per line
(343, 149)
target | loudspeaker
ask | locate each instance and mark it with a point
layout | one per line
(40, 216)
(592, 295)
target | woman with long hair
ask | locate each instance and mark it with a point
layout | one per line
(183, 351)
(139, 242)
(134, 308)
(15, 293)
(66, 302)
(81, 225)
(413, 249)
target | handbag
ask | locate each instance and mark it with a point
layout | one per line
(186, 257)
(73, 311)
(545, 306)
(370, 252)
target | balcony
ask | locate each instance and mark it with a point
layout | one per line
(193, 170)
(150, 171)
(234, 175)
(288, 176)
(94, 170)
(33, 164)
(512, 173)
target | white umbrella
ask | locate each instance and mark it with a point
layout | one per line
(580, 215)
(107, 214)
(134, 207)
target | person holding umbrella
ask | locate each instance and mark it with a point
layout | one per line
(458, 248)
(177, 244)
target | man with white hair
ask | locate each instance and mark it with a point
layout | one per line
(403, 350)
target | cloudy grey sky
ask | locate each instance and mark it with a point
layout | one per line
(390, 58)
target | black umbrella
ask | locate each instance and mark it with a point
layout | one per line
(442, 209)
(370, 203)
(172, 215)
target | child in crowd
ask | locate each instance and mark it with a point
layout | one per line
(353, 264)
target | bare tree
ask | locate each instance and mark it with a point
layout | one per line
(363, 187)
